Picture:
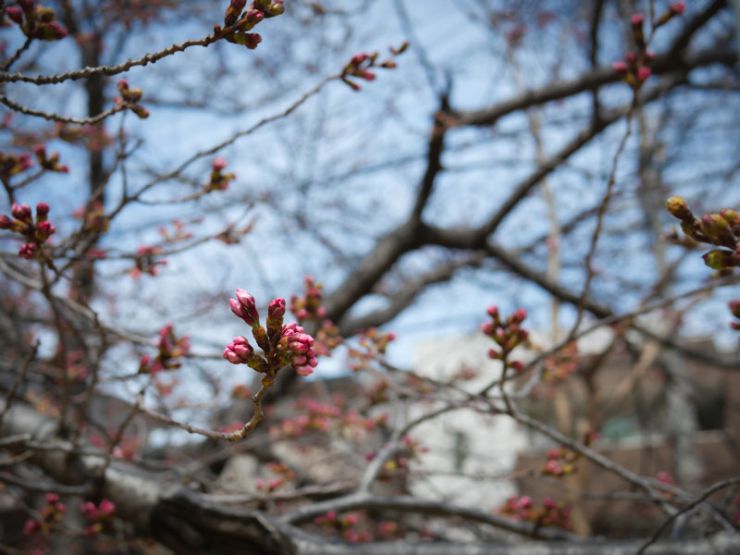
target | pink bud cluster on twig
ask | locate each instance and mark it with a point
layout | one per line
(635, 68)
(130, 99)
(14, 164)
(219, 180)
(281, 344)
(507, 334)
(170, 348)
(36, 232)
(362, 64)
(244, 21)
(36, 22)
(308, 307)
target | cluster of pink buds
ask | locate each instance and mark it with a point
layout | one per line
(243, 21)
(146, 262)
(94, 219)
(49, 162)
(550, 513)
(347, 525)
(49, 516)
(35, 232)
(721, 229)
(373, 344)
(170, 350)
(635, 68)
(560, 462)
(179, 232)
(97, 515)
(308, 307)
(219, 180)
(130, 99)
(361, 65)
(561, 365)
(13, 164)
(507, 334)
(284, 475)
(281, 344)
(36, 22)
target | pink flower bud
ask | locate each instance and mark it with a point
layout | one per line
(248, 308)
(45, 229)
(52, 498)
(107, 507)
(637, 19)
(15, 13)
(21, 211)
(298, 347)
(276, 309)
(620, 67)
(366, 75)
(219, 164)
(357, 59)
(519, 316)
(236, 308)
(304, 371)
(5, 222)
(42, 209)
(678, 8)
(643, 73)
(253, 17)
(251, 40)
(517, 365)
(27, 251)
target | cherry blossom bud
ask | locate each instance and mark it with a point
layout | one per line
(219, 164)
(517, 365)
(637, 20)
(304, 370)
(28, 251)
(357, 59)
(21, 212)
(45, 229)
(15, 13)
(244, 306)
(42, 210)
(5, 222)
(643, 73)
(519, 316)
(678, 8)
(735, 307)
(275, 313)
(620, 67)
(251, 40)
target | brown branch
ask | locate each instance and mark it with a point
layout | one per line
(50, 116)
(696, 502)
(424, 507)
(87, 72)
